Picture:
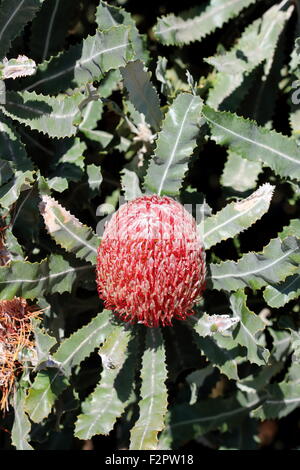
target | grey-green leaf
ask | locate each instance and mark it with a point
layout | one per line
(153, 403)
(255, 143)
(174, 146)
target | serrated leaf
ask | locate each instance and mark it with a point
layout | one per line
(67, 231)
(11, 146)
(49, 115)
(278, 260)
(246, 331)
(74, 349)
(256, 45)
(84, 62)
(279, 295)
(21, 427)
(108, 16)
(282, 399)
(224, 359)
(195, 24)
(153, 403)
(174, 146)
(142, 93)
(43, 393)
(240, 174)
(49, 28)
(130, 184)
(10, 191)
(43, 341)
(94, 178)
(29, 280)
(111, 396)
(254, 143)
(14, 14)
(237, 216)
(187, 422)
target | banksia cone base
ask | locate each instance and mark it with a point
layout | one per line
(151, 262)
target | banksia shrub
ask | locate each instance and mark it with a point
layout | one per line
(15, 336)
(150, 265)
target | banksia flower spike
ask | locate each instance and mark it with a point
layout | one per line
(151, 262)
(15, 335)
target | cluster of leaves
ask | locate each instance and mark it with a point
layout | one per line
(66, 115)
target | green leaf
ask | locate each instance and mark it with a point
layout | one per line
(10, 191)
(84, 62)
(11, 146)
(237, 216)
(130, 184)
(94, 179)
(153, 403)
(282, 399)
(49, 115)
(29, 280)
(108, 16)
(280, 294)
(278, 260)
(67, 231)
(240, 174)
(142, 93)
(254, 143)
(256, 45)
(43, 342)
(187, 422)
(14, 14)
(74, 349)
(246, 332)
(174, 146)
(111, 396)
(195, 24)
(43, 393)
(224, 359)
(49, 28)
(21, 427)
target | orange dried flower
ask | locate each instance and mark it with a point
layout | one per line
(15, 335)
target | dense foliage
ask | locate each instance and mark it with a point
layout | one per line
(99, 104)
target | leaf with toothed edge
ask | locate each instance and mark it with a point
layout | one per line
(29, 280)
(195, 24)
(237, 216)
(255, 143)
(111, 396)
(240, 174)
(275, 263)
(10, 191)
(11, 146)
(22, 426)
(130, 185)
(154, 402)
(46, 388)
(84, 62)
(142, 93)
(248, 328)
(256, 45)
(174, 146)
(50, 115)
(14, 15)
(67, 231)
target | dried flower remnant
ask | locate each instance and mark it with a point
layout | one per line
(151, 262)
(15, 335)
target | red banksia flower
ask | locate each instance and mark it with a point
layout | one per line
(15, 335)
(151, 262)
